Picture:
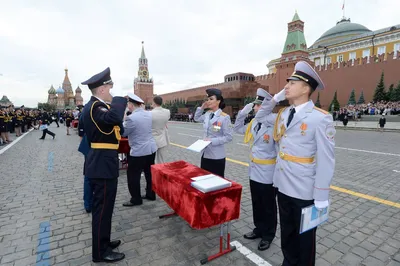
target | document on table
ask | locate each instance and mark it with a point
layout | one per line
(202, 177)
(312, 217)
(209, 183)
(199, 145)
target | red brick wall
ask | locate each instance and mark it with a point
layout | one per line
(343, 78)
(144, 91)
(361, 76)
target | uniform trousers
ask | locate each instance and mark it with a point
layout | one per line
(215, 166)
(263, 198)
(87, 194)
(160, 154)
(137, 165)
(104, 192)
(298, 249)
(46, 131)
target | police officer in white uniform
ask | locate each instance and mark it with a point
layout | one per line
(305, 163)
(261, 171)
(137, 127)
(217, 129)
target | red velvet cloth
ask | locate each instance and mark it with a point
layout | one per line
(75, 123)
(171, 182)
(123, 146)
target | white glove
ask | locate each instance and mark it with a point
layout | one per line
(280, 96)
(247, 109)
(321, 204)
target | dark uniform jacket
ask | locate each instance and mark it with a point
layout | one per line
(101, 126)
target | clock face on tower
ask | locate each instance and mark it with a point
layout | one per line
(144, 73)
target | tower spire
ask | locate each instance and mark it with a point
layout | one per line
(295, 40)
(143, 56)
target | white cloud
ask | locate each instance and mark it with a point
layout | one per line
(187, 43)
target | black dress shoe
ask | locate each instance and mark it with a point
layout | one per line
(131, 204)
(88, 210)
(114, 244)
(263, 245)
(111, 257)
(149, 198)
(251, 235)
(41, 138)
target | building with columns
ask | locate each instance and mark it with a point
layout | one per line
(347, 56)
(64, 96)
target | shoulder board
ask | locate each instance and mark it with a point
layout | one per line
(223, 114)
(321, 110)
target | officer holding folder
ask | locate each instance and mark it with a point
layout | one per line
(217, 129)
(305, 163)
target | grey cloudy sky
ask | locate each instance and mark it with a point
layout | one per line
(188, 43)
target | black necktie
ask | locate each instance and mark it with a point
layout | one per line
(211, 116)
(292, 111)
(258, 127)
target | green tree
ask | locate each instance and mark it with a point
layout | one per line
(396, 93)
(46, 106)
(335, 105)
(317, 103)
(389, 94)
(361, 100)
(379, 94)
(352, 98)
(248, 99)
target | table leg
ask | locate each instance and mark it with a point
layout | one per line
(222, 251)
(124, 161)
(167, 215)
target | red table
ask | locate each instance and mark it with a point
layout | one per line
(172, 183)
(75, 123)
(124, 150)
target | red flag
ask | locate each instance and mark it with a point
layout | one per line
(343, 6)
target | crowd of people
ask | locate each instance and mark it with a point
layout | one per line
(19, 120)
(355, 112)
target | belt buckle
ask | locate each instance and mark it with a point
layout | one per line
(281, 154)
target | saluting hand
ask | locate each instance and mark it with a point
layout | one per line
(204, 105)
(280, 96)
(247, 109)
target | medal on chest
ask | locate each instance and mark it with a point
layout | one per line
(216, 126)
(303, 128)
(266, 138)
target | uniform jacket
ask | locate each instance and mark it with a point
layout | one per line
(218, 130)
(262, 146)
(159, 130)
(100, 123)
(137, 128)
(309, 135)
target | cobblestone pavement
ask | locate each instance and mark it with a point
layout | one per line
(43, 222)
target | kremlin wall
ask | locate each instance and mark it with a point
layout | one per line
(333, 56)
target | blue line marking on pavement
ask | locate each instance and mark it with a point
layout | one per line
(43, 247)
(50, 158)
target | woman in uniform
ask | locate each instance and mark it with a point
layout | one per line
(217, 129)
(68, 120)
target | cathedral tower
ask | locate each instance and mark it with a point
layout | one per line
(68, 92)
(143, 84)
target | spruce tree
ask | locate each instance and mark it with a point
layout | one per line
(335, 103)
(396, 93)
(352, 99)
(379, 94)
(389, 94)
(361, 99)
(317, 103)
